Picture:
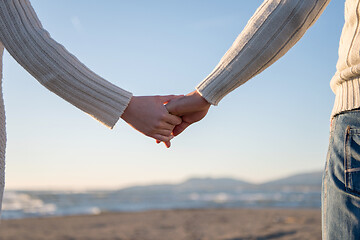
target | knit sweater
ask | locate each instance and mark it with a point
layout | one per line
(276, 26)
(23, 36)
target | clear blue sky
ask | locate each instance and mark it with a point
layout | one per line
(275, 125)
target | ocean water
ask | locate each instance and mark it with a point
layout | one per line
(27, 204)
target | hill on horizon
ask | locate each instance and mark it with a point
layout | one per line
(310, 179)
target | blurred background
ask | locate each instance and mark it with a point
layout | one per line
(62, 162)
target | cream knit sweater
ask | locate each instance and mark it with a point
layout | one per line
(23, 36)
(274, 28)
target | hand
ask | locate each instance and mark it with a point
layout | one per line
(192, 108)
(149, 116)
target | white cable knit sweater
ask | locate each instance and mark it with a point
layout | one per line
(23, 36)
(275, 27)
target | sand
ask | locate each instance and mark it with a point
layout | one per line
(210, 224)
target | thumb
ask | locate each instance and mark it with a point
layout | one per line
(167, 98)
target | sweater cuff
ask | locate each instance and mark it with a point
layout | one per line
(106, 104)
(119, 106)
(212, 89)
(206, 94)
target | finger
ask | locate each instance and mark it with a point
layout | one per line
(181, 106)
(175, 106)
(165, 126)
(168, 122)
(173, 120)
(167, 98)
(180, 128)
(168, 144)
(164, 132)
(174, 98)
(170, 107)
(163, 138)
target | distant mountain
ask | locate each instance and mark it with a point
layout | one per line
(305, 180)
(195, 184)
(213, 184)
(308, 179)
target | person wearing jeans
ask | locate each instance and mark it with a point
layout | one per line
(274, 28)
(341, 180)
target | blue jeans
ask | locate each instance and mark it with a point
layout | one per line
(341, 180)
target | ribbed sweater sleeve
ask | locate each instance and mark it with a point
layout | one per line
(54, 67)
(274, 28)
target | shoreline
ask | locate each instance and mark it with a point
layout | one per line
(190, 224)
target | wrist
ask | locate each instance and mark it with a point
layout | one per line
(199, 100)
(128, 112)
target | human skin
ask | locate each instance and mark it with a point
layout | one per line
(148, 115)
(191, 108)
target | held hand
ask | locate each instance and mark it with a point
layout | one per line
(149, 116)
(192, 108)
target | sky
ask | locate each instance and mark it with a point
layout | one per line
(275, 125)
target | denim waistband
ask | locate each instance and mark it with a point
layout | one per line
(344, 119)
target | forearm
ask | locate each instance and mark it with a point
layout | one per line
(54, 67)
(275, 27)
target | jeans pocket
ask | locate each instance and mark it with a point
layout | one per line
(352, 160)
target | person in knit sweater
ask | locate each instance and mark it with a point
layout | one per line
(274, 28)
(24, 37)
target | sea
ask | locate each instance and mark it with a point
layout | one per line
(30, 204)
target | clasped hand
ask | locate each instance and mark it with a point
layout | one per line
(163, 117)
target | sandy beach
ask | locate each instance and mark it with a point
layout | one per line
(210, 224)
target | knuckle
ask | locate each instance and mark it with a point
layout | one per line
(157, 125)
(163, 116)
(161, 138)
